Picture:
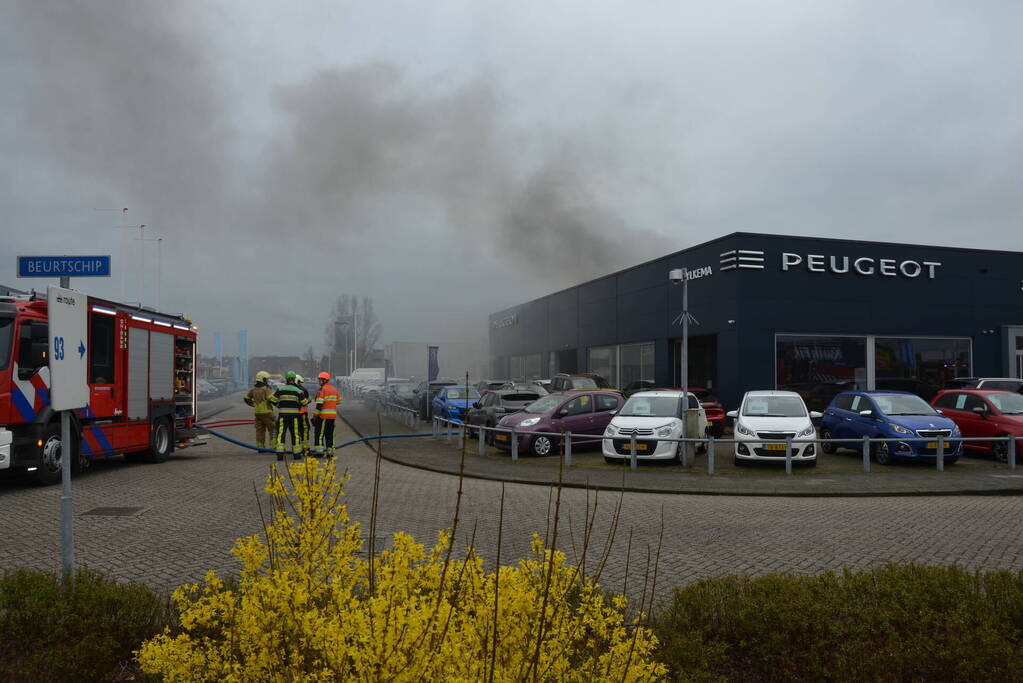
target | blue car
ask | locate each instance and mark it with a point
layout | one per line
(889, 415)
(454, 402)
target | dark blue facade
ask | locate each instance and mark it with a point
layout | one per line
(753, 287)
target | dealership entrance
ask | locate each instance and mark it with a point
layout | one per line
(703, 361)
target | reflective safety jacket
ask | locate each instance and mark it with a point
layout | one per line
(305, 395)
(259, 398)
(327, 399)
(289, 399)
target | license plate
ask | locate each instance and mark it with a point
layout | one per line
(932, 445)
(639, 447)
(501, 437)
(774, 447)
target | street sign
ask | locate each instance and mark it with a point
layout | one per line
(67, 350)
(63, 266)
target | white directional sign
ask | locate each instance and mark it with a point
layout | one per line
(67, 352)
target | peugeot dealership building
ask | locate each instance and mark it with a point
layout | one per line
(768, 311)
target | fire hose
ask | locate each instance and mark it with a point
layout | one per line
(241, 423)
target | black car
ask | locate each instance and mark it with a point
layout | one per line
(585, 380)
(401, 394)
(424, 394)
(494, 405)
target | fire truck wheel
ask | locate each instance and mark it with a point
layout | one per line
(159, 441)
(47, 472)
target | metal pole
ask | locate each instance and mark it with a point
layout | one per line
(941, 454)
(67, 527)
(124, 254)
(632, 452)
(788, 455)
(355, 324)
(483, 441)
(710, 455)
(1012, 452)
(515, 445)
(159, 270)
(685, 366)
(866, 453)
(142, 265)
(568, 449)
(461, 435)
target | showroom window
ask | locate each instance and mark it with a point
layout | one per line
(604, 362)
(526, 368)
(820, 367)
(920, 366)
(637, 363)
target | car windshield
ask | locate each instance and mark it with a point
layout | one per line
(545, 404)
(1007, 404)
(651, 406)
(6, 334)
(902, 404)
(774, 406)
(462, 392)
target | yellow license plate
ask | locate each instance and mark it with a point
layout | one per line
(639, 447)
(932, 444)
(774, 447)
(501, 437)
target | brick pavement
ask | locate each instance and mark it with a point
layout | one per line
(200, 501)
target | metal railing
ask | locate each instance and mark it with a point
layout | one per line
(454, 431)
(403, 414)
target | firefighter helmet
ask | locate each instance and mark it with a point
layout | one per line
(262, 376)
(290, 374)
(324, 375)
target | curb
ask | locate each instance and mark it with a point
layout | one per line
(699, 492)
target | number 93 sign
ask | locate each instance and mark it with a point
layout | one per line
(68, 330)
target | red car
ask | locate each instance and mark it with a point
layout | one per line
(984, 412)
(715, 411)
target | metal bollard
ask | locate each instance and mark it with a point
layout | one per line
(941, 454)
(632, 453)
(788, 455)
(568, 449)
(433, 427)
(866, 454)
(710, 455)
(461, 435)
(1012, 452)
(447, 431)
(483, 441)
(515, 445)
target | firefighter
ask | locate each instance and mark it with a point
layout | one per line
(259, 399)
(324, 415)
(289, 400)
(304, 422)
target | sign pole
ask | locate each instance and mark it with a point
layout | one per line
(67, 526)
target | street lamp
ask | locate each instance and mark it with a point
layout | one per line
(680, 276)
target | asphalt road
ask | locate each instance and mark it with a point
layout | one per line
(197, 503)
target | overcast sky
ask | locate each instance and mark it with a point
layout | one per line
(450, 158)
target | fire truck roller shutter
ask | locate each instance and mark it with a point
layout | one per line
(161, 366)
(138, 374)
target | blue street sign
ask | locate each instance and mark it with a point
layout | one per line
(63, 266)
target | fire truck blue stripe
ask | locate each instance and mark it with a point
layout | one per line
(21, 403)
(101, 439)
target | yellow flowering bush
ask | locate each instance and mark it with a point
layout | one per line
(309, 606)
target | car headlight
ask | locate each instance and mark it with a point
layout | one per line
(665, 431)
(899, 429)
(611, 430)
(809, 431)
(743, 429)
(529, 422)
(955, 430)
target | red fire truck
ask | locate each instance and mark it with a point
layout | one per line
(141, 376)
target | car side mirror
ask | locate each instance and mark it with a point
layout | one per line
(476, 404)
(866, 413)
(814, 415)
(563, 412)
(981, 410)
(732, 414)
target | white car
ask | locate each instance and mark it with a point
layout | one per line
(651, 414)
(766, 419)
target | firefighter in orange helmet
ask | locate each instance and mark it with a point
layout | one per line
(324, 415)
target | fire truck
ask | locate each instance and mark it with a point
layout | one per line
(141, 377)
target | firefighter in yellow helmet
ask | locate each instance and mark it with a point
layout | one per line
(259, 399)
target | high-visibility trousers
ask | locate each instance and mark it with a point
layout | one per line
(264, 428)
(324, 437)
(289, 423)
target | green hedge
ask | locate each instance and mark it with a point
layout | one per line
(87, 633)
(895, 623)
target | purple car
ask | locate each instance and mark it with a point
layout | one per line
(583, 413)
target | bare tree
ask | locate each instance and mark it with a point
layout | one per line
(352, 322)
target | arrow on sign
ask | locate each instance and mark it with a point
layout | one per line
(81, 349)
